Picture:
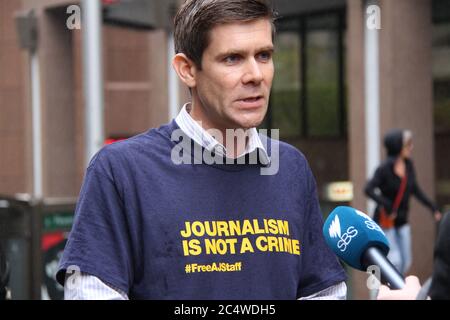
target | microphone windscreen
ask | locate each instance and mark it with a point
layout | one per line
(350, 232)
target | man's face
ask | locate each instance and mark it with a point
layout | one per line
(232, 88)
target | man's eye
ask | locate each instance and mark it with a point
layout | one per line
(265, 56)
(232, 59)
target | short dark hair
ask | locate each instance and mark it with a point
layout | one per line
(196, 18)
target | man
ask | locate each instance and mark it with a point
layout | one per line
(151, 224)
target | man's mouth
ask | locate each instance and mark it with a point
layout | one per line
(252, 99)
(252, 102)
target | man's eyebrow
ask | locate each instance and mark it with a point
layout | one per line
(230, 52)
(266, 48)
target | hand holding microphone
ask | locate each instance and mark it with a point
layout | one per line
(359, 241)
(409, 292)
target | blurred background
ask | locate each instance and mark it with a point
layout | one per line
(76, 75)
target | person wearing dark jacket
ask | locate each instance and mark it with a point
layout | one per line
(392, 185)
(4, 274)
(440, 284)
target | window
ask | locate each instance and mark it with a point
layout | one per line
(441, 98)
(441, 76)
(286, 89)
(307, 98)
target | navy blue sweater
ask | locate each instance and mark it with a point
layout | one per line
(160, 230)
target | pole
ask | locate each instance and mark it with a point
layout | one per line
(93, 76)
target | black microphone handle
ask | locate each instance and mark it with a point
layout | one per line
(390, 276)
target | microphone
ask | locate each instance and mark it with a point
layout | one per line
(359, 241)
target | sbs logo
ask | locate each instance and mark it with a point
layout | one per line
(347, 238)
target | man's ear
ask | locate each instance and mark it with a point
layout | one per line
(185, 68)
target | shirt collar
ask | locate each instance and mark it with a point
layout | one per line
(194, 130)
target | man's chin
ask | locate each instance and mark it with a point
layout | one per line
(248, 125)
(250, 122)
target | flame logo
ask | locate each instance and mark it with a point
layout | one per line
(335, 228)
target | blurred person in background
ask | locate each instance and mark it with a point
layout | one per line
(392, 185)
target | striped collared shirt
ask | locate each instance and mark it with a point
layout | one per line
(194, 130)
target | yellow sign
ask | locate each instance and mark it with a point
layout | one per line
(340, 191)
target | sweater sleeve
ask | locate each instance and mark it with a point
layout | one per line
(98, 243)
(320, 268)
(419, 194)
(423, 198)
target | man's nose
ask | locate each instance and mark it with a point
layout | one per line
(253, 72)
